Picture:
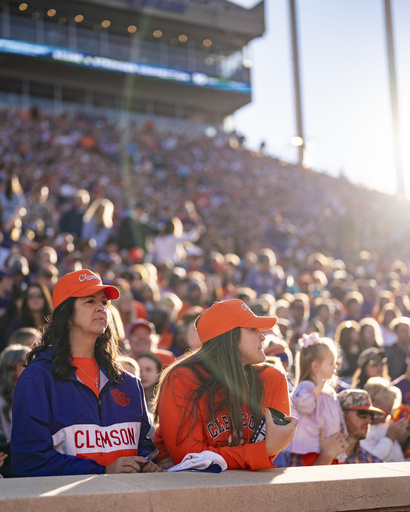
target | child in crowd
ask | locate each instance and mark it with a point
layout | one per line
(385, 435)
(150, 369)
(314, 401)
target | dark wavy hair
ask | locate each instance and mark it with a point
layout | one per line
(48, 304)
(56, 334)
(10, 358)
(218, 358)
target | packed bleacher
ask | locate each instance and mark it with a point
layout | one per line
(179, 220)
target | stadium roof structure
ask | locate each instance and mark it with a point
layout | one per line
(176, 58)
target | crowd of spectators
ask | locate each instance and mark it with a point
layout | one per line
(179, 220)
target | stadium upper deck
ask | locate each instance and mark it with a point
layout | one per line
(177, 58)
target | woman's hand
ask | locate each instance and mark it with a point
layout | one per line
(151, 467)
(133, 464)
(278, 437)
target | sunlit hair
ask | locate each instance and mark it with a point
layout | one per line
(400, 320)
(307, 355)
(130, 365)
(382, 392)
(24, 336)
(315, 325)
(343, 333)
(125, 297)
(353, 296)
(230, 386)
(324, 302)
(151, 288)
(108, 211)
(304, 299)
(10, 358)
(26, 313)
(117, 322)
(382, 298)
(370, 322)
(384, 313)
(282, 304)
(360, 376)
(173, 304)
(48, 251)
(56, 334)
(233, 259)
(173, 227)
(13, 187)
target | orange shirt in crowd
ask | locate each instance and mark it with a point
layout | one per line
(214, 435)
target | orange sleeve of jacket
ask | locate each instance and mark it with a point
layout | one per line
(177, 439)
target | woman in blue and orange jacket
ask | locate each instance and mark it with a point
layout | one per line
(75, 411)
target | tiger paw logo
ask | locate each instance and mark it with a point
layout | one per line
(119, 398)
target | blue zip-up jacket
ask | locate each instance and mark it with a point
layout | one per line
(60, 426)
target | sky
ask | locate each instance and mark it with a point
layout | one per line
(347, 117)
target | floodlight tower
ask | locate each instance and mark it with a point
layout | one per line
(296, 78)
(394, 99)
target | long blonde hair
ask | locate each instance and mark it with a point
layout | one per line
(107, 216)
(382, 393)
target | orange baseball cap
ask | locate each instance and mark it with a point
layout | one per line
(224, 316)
(81, 283)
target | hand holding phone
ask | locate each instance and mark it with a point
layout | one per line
(149, 457)
(278, 417)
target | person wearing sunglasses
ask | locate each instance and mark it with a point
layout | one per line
(36, 308)
(372, 362)
(359, 412)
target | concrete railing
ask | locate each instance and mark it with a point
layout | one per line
(360, 487)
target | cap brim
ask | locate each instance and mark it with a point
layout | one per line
(111, 291)
(263, 323)
(370, 408)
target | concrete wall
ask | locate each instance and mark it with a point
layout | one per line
(382, 487)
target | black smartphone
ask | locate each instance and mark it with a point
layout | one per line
(5, 448)
(149, 457)
(278, 417)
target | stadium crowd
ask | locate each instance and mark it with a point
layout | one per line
(179, 220)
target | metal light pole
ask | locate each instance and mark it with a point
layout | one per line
(394, 100)
(298, 101)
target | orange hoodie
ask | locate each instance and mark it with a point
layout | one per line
(214, 435)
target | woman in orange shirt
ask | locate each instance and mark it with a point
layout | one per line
(215, 398)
